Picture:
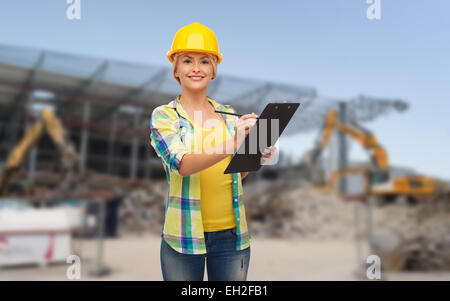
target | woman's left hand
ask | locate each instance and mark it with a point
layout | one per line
(267, 155)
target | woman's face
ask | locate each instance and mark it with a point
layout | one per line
(194, 70)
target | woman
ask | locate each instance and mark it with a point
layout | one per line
(204, 215)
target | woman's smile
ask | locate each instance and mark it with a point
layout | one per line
(196, 78)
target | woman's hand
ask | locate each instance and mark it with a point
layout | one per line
(267, 155)
(243, 127)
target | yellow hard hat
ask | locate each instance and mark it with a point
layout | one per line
(195, 37)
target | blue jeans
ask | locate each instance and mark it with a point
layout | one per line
(223, 262)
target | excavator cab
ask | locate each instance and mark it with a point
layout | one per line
(378, 176)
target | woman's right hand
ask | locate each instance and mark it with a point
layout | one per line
(243, 127)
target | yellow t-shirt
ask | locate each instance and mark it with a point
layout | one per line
(216, 187)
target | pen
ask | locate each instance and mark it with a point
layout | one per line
(240, 115)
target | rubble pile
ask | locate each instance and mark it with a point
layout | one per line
(405, 236)
(414, 237)
(142, 201)
(143, 207)
(284, 212)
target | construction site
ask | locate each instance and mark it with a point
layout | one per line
(79, 177)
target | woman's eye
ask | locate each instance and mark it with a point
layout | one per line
(206, 62)
(186, 61)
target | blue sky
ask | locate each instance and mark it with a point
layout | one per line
(328, 44)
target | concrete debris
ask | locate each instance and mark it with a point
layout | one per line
(421, 235)
(406, 237)
(280, 211)
(143, 208)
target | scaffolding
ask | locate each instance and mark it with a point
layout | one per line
(106, 105)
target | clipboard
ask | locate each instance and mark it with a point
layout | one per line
(248, 156)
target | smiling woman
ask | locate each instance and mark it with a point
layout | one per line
(205, 216)
(188, 59)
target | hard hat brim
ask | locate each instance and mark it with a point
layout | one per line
(171, 53)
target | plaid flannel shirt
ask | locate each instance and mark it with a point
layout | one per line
(172, 136)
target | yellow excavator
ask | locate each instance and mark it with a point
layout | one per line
(49, 123)
(376, 174)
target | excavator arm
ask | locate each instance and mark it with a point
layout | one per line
(57, 132)
(358, 133)
(19, 153)
(368, 141)
(379, 158)
(47, 123)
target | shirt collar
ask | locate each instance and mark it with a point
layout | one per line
(179, 108)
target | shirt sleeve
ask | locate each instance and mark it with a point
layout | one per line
(165, 139)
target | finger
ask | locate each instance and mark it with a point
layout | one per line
(266, 160)
(266, 153)
(249, 123)
(248, 116)
(270, 150)
(247, 127)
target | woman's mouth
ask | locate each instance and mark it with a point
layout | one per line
(196, 78)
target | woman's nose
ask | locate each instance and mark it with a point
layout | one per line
(196, 67)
